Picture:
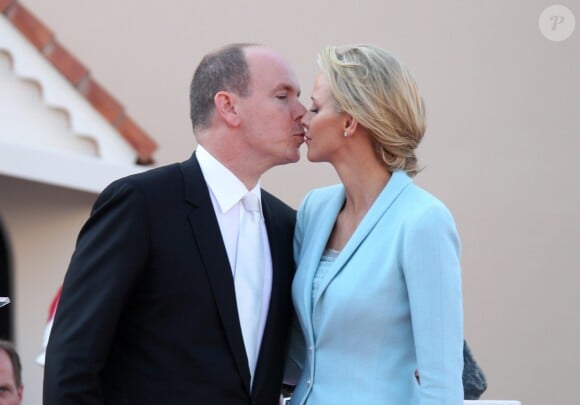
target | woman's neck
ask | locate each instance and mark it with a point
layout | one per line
(363, 180)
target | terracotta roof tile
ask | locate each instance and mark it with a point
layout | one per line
(30, 26)
(138, 139)
(66, 63)
(78, 75)
(4, 4)
(102, 101)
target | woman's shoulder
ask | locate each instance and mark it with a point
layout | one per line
(420, 204)
(320, 198)
(421, 197)
(325, 193)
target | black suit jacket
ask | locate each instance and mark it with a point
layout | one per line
(148, 312)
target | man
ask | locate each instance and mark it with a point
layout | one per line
(150, 311)
(10, 375)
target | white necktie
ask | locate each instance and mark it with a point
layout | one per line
(249, 276)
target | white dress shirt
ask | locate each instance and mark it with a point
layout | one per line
(226, 192)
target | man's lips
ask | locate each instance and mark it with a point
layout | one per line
(301, 134)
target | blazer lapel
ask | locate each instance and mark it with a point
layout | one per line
(313, 244)
(398, 181)
(213, 254)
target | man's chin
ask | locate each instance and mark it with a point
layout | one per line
(293, 157)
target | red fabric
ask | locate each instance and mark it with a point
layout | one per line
(53, 304)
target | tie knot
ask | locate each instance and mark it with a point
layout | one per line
(251, 203)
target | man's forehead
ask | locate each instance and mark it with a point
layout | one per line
(270, 67)
(273, 80)
(253, 52)
(5, 362)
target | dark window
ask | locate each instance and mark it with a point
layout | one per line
(5, 286)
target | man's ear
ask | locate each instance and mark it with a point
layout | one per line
(225, 106)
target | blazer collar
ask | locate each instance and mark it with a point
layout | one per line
(397, 183)
(225, 186)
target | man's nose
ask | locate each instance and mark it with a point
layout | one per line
(305, 120)
(300, 110)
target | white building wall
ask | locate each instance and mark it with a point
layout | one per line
(41, 224)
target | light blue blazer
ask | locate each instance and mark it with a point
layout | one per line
(389, 305)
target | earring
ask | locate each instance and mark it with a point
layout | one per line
(345, 133)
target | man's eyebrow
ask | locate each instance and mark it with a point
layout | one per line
(287, 87)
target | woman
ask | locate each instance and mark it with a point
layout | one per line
(378, 288)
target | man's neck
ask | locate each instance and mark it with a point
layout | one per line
(235, 161)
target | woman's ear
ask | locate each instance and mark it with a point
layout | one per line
(225, 106)
(350, 125)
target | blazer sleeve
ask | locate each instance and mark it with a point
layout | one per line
(433, 278)
(111, 252)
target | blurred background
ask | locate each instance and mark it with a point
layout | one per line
(501, 150)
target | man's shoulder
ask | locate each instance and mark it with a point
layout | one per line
(156, 175)
(156, 180)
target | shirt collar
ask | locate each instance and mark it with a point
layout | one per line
(227, 189)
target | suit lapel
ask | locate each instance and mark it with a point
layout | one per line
(276, 252)
(213, 254)
(398, 181)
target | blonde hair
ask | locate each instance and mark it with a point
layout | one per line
(379, 92)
